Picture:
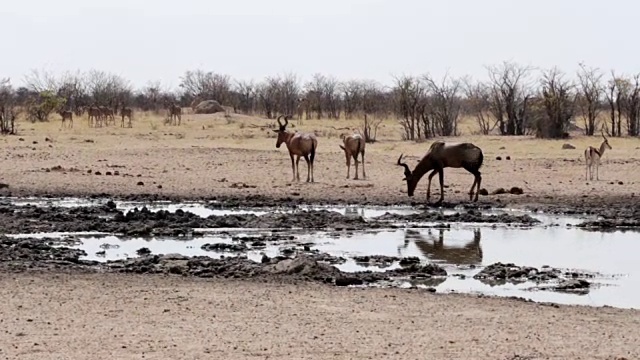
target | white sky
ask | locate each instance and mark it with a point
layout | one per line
(367, 39)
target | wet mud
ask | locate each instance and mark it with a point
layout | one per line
(143, 222)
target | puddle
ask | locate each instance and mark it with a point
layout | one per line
(463, 250)
(611, 256)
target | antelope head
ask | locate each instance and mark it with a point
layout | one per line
(408, 177)
(606, 141)
(282, 135)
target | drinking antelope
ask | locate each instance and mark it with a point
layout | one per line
(442, 155)
(299, 144)
(592, 157)
(354, 145)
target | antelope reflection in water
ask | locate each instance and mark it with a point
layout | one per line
(434, 249)
(353, 211)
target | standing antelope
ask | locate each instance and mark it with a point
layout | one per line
(66, 114)
(299, 144)
(354, 145)
(126, 112)
(94, 115)
(175, 112)
(442, 155)
(592, 157)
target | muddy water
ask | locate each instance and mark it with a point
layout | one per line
(463, 249)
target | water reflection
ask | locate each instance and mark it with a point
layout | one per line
(434, 248)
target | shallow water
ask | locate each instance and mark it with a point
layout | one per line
(612, 255)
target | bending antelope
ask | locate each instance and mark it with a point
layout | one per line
(66, 114)
(592, 157)
(126, 112)
(442, 155)
(299, 144)
(354, 145)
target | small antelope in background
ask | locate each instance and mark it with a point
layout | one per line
(94, 115)
(443, 155)
(126, 112)
(354, 145)
(66, 115)
(299, 144)
(175, 112)
(592, 157)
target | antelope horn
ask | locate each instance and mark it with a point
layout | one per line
(278, 120)
(406, 167)
(286, 121)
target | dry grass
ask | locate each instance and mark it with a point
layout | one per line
(207, 153)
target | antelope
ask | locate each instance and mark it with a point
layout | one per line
(592, 157)
(299, 144)
(302, 104)
(94, 115)
(126, 112)
(107, 113)
(175, 112)
(66, 114)
(353, 146)
(443, 155)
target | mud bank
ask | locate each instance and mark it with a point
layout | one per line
(49, 254)
(143, 222)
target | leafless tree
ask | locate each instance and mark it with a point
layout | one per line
(478, 104)
(510, 88)
(615, 94)
(443, 106)
(558, 100)
(631, 105)
(8, 108)
(590, 96)
(409, 93)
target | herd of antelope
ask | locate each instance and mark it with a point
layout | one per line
(440, 155)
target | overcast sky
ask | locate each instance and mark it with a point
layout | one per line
(372, 39)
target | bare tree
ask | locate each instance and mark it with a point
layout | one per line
(478, 104)
(511, 91)
(558, 100)
(8, 108)
(409, 93)
(443, 106)
(590, 96)
(631, 105)
(616, 92)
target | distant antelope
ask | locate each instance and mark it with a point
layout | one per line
(66, 114)
(107, 113)
(299, 144)
(442, 155)
(175, 112)
(354, 145)
(126, 112)
(592, 157)
(302, 103)
(95, 115)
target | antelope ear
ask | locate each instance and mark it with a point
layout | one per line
(405, 179)
(275, 131)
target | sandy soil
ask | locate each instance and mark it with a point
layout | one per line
(104, 316)
(210, 156)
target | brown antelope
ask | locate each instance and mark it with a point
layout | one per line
(175, 112)
(107, 113)
(66, 114)
(442, 155)
(126, 112)
(299, 144)
(94, 115)
(592, 157)
(302, 104)
(354, 145)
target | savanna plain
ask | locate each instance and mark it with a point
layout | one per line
(56, 305)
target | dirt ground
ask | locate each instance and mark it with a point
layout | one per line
(104, 316)
(210, 156)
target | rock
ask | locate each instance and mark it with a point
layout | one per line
(208, 107)
(225, 247)
(498, 158)
(568, 147)
(483, 192)
(516, 191)
(499, 191)
(143, 251)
